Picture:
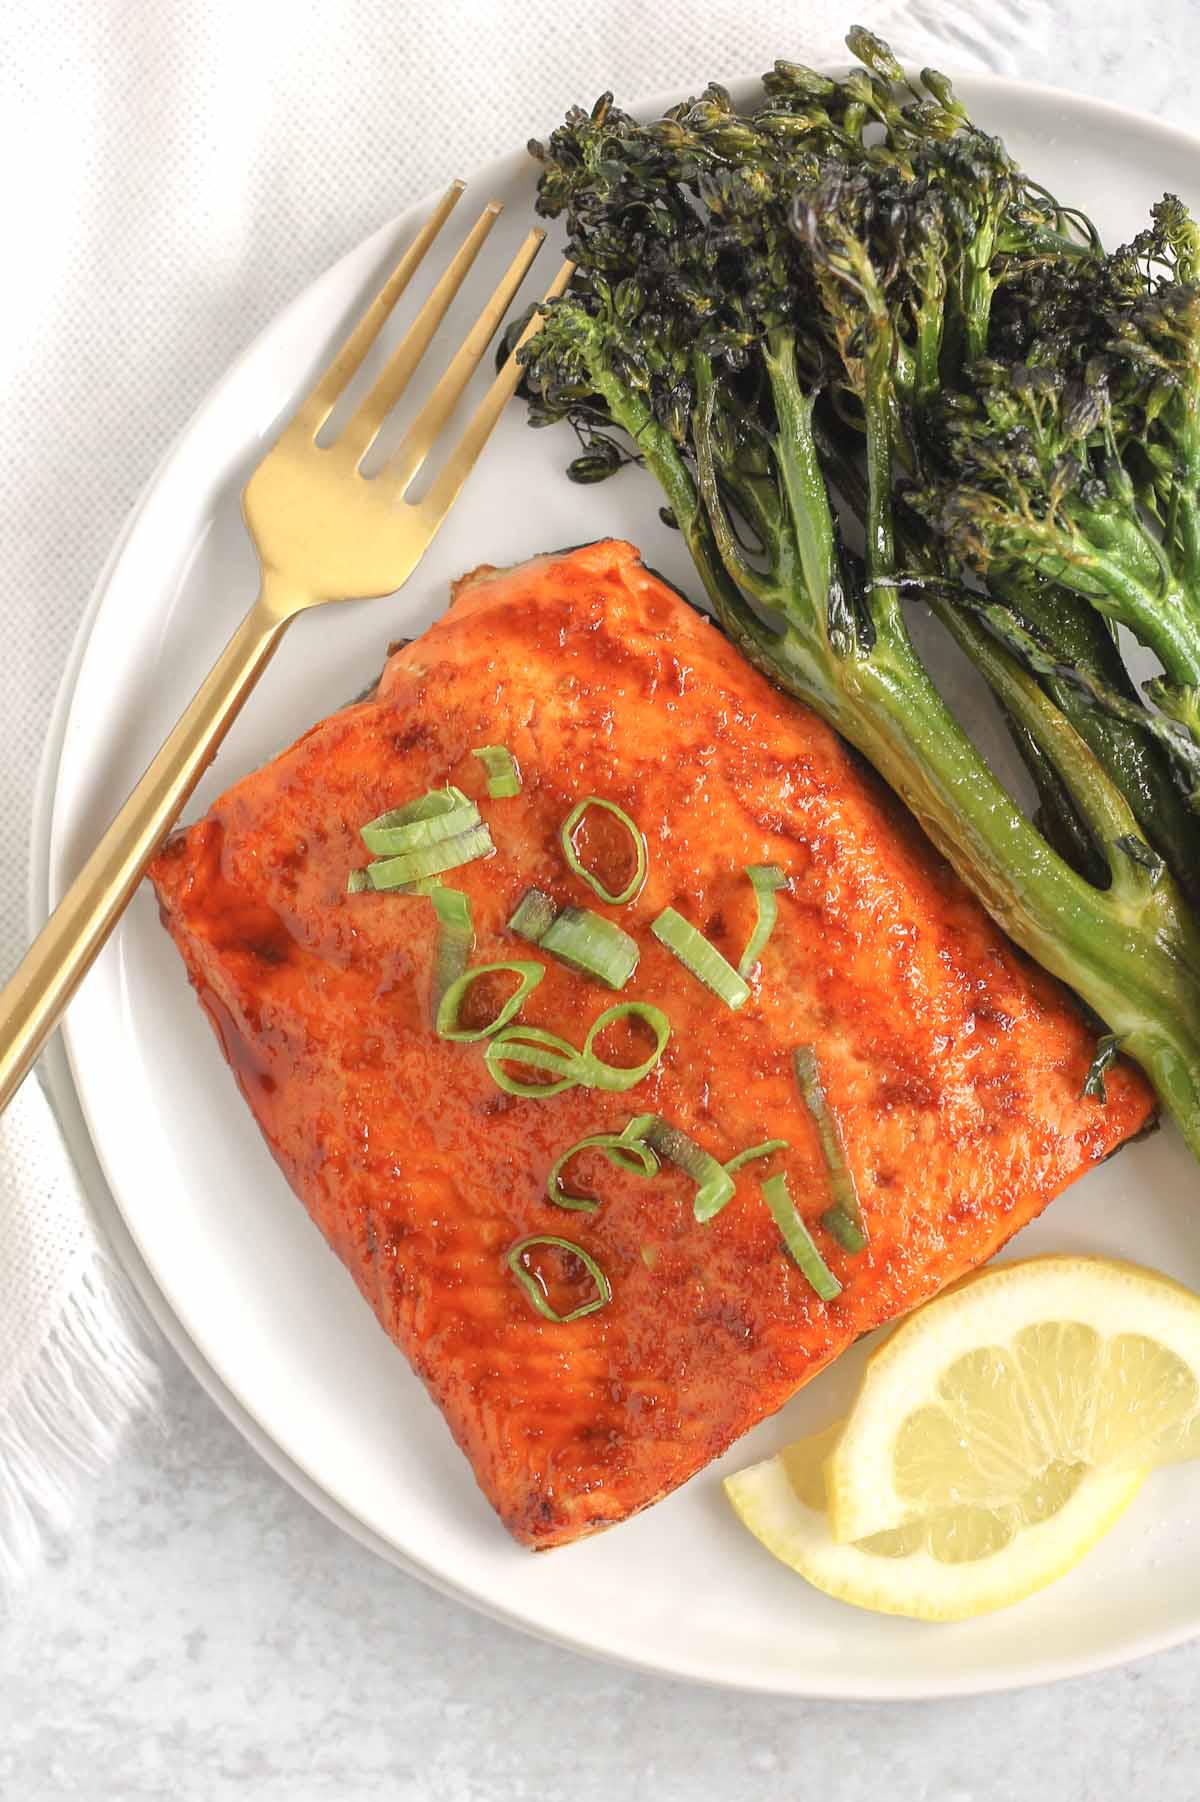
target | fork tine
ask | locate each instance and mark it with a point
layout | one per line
(422, 434)
(458, 465)
(362, 428)
(315, 410)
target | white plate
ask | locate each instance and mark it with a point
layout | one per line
(273, 1324)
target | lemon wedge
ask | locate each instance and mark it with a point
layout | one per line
(947, 1566)
(1027, 1378)
(997, 1434)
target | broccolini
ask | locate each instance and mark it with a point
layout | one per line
(867, 358)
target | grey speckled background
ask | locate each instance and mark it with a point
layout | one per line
(207, 1635)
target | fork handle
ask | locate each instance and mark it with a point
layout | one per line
(51, 970)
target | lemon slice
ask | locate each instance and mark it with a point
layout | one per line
(948, 1565)
(1002, 1400)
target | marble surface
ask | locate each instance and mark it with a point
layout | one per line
(206, 1636)
(209, 1637)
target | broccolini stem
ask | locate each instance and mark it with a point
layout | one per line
(1136, 961)
(1097, 800)
(979, 287)
(1161, 616)
(1134, 957)
(1131, 754)
(663, 459)
(1056, 817)
(927, 378)
(804, 487)
(1187, 517)
(878, 402)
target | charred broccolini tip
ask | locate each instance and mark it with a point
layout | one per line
(847, 316)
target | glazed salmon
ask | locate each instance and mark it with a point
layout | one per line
(953, 1067)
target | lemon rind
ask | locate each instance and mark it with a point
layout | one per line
(921, 1587)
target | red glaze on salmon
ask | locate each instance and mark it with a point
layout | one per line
(954, 1067)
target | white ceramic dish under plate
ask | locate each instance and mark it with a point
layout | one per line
(260, 1308)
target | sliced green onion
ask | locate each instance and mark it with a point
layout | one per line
(765, 1150)
(359, 882)
(503, 776)
(456, 939)
(541, 1050)
(765, 879)
(624, 1151)
(637, 1128)
(599, 1075)
(431, 860)
(577, 936)
(714, 1185)
(430, 806)
(442, 813)
(570, 1068)
(572, 856)
(533, 1288)
(841, 1177)
(798, 1239)
(702, 959)
(532, 915)
(837, 1221)
(592, 945)
(528, 976)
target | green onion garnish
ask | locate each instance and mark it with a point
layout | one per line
(572, 856)
(503, 776)
(592, 945)
(532, 915)
(837, 1221)
(357, 881)
(714, 1185)
(542, 1050)
(442, 813)
(702, 959)
(765, 1150)
(766, 879)
(841, 1177)
(533, 1288)
(618, 1077)
(456, 939)
(528, 976)
(624, 1151)
(584, 940)
(798, 1239)
(431, 860)
(637, 1128)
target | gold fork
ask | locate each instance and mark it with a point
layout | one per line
(324, 532)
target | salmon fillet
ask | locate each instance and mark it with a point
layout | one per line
(954, 1067)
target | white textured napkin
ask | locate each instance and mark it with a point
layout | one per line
(176, 169)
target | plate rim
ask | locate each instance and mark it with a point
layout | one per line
(45, 882)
